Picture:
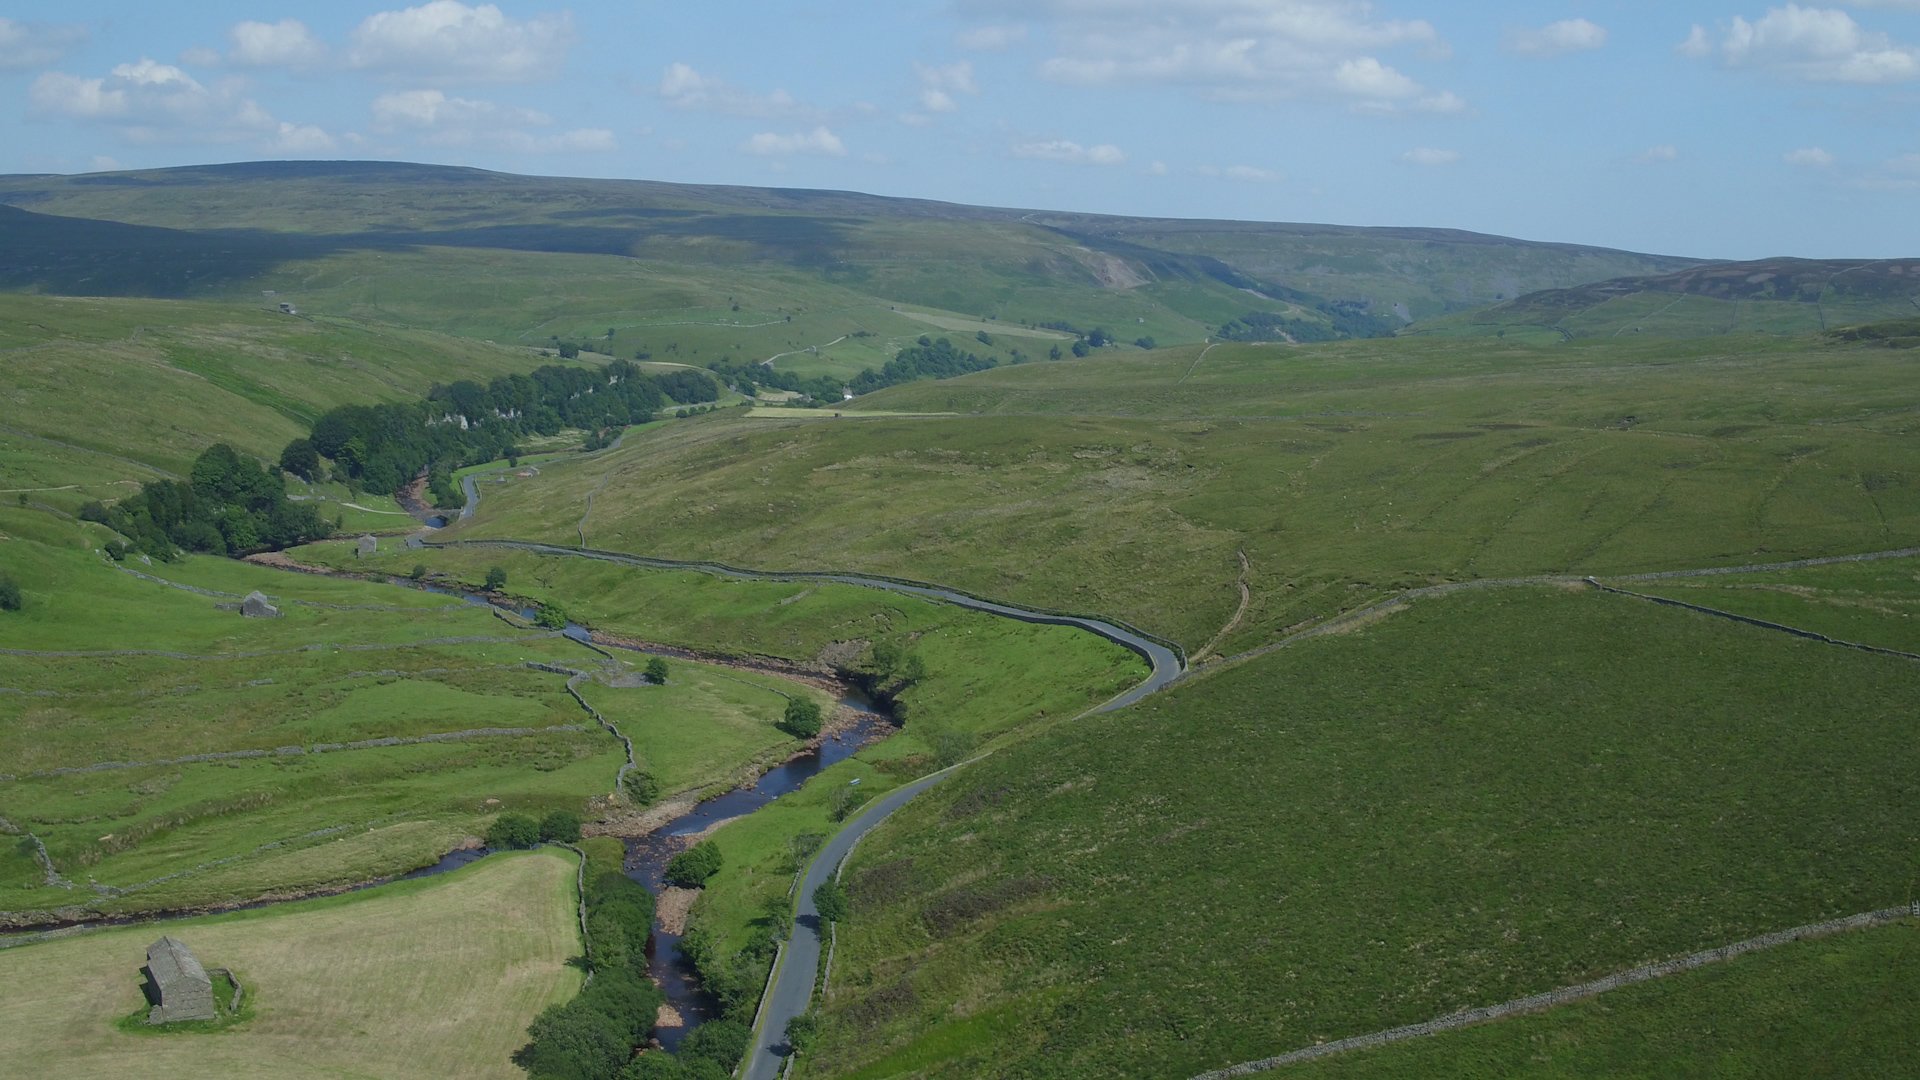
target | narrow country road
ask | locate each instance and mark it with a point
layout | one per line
(1164, 660)
(792, 989)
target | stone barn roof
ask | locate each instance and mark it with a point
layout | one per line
(255, 606)
(184, 990)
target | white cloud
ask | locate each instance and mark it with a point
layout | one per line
(1557, 38)
(993, 37)
(1248, 174)
(438, 119)
(301, 139)
(685, 88)
(1237, 50)
(1654, 155)
(1431, 156)
(773, 144)
(32, 45)
(1158, 168)
(1814, 44)
(1699, 43)
(150, 102)
(939, 84)
(448, 39)
(1900, 174)
(1808, 156)
(1070, 152)
(287, 43)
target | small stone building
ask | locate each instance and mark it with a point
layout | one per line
(257, 606)
(179, 987)
(367, 546)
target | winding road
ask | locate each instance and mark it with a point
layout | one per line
(791, 990)
(1163, 657)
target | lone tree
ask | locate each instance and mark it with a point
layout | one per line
(691, 868)
(9, 593)
(642, 787)
(561, 826)
(657, 671)
(830, 900)
(802, 719)
(512, 831)
(496, 579)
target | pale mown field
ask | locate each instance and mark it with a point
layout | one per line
(438, 977)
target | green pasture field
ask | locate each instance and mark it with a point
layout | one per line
(356, 511)
(1839, 1006)
(1480, 797)
(1126, 483)
(985, 675)
(159, 381)
(706, 724)
(346, 662)
(436, 977)
(1873, 603)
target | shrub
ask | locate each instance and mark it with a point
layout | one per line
(654, 1065)
(9, 594)
(721, 1042)
(512, 831)
(496, 579)
(830, 900)
(419, 572)
(657, 671)
(642, 787)
(691, 868)
(561, 826)
(803, 1031)
(802, 719)
(551, 616)
(846, 801)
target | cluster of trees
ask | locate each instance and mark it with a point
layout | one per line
(926, 360)
(382, 447)
(592, 1036)
(1345, 319)
(709, 1052)
(751, 378)
(511, 831)
(228, 505)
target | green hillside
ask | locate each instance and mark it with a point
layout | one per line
(573, 257)
(1771, 296)
(103, 390)
(1127, 485)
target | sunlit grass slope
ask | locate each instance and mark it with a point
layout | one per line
(1482, 797)
(1126, 485)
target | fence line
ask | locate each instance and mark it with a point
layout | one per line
(1568, 994)
(1810, 635)
(298, 751)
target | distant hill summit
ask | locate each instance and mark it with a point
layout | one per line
(1781, 296)
(288, 224)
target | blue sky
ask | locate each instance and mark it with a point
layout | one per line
(1728, 128)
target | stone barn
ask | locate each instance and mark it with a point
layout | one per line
(257, 606)
(178, 986)
(367, 546)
